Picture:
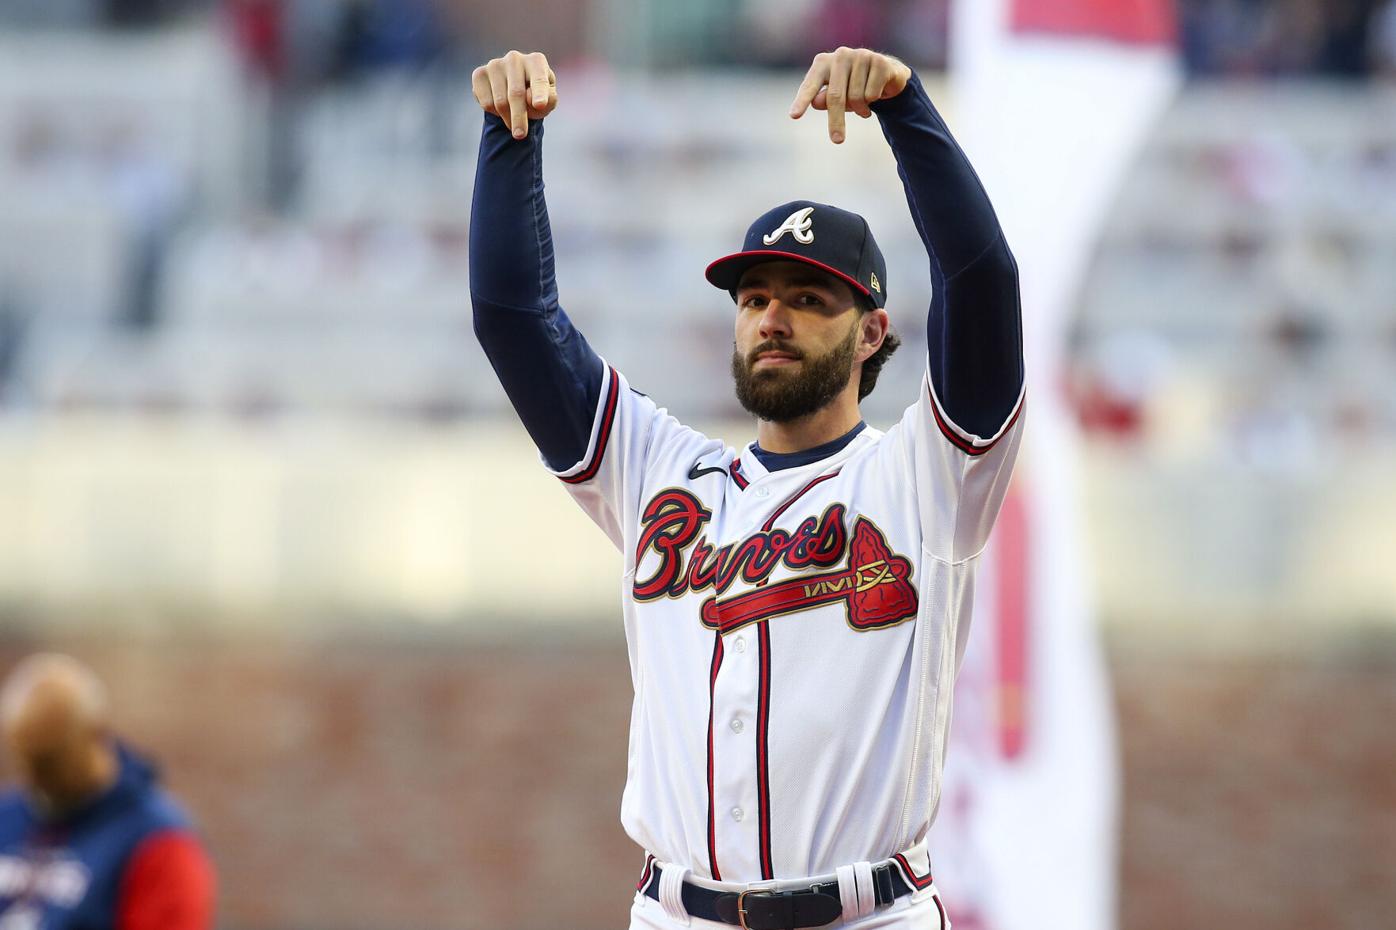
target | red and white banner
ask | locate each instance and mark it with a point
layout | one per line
(1052, 100)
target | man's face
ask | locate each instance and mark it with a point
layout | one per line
(796, 340)
(53, 764)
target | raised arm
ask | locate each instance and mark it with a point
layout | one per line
(552, 377)
(974, 327)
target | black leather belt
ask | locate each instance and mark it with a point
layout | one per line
(779, 910)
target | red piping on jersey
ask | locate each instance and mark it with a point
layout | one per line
(607, 420)
(962, 444)
(737, 476)
(763, 706)
(763, 768)
(771, 522)
(940, 907)
(712, 813)
(917, 883)
(645, 875)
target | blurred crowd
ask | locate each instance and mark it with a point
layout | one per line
(327, 40)
(344, 166)
(1258, 38)
(787, 33)
(282, 39)
(1267, 332)
(309, 42)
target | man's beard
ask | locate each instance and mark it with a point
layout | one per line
(780, 395)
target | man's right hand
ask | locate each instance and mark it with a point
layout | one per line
(517, 88)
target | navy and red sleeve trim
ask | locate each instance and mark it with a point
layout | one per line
(974, 339)
(966, 443)
(605, 428)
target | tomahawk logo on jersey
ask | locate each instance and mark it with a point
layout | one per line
(794, 621)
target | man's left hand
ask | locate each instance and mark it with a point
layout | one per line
(849, 79)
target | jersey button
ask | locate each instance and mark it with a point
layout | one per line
(739, 644)
(738, 814)
(737, 725)
(763, 492)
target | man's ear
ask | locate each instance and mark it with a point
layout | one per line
(873, 328)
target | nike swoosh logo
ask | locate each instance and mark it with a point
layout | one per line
(696, 472)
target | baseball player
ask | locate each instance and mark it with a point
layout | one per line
(90, 841)
(795, 610)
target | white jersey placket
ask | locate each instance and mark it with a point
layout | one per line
(735, 815)
(739, 823)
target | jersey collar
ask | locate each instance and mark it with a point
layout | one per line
(756, 463)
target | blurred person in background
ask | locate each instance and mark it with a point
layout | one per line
(1278, 37)
(1382, 41)
(292, 50)
(786, 33)
(1345, 47)
(88, 839)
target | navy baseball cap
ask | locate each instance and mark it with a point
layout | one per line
(817, 234)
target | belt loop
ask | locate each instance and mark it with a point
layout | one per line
(671, 881)
(848, 892)
(867, 891)
(857, 892)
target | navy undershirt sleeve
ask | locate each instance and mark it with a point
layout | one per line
(974, 328)
(552, 376)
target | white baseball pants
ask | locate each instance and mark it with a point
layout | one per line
(917, 911)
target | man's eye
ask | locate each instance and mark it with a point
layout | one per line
(754, 301)
(811, 300)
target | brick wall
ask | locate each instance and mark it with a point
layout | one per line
(426, 786)
(1258, 793)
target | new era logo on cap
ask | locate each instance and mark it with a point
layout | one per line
(832, 240)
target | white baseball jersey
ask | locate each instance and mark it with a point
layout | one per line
(793, 635)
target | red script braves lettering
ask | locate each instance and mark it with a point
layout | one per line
(875, 587)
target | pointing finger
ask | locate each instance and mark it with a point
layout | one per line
(518, 95)
(837, 96)
(499, 89)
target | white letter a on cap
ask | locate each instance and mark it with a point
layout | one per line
(798, 224)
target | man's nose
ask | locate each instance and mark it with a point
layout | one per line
(775, 320)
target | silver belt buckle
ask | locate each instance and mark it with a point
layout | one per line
(741, 910)
(770, 889)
